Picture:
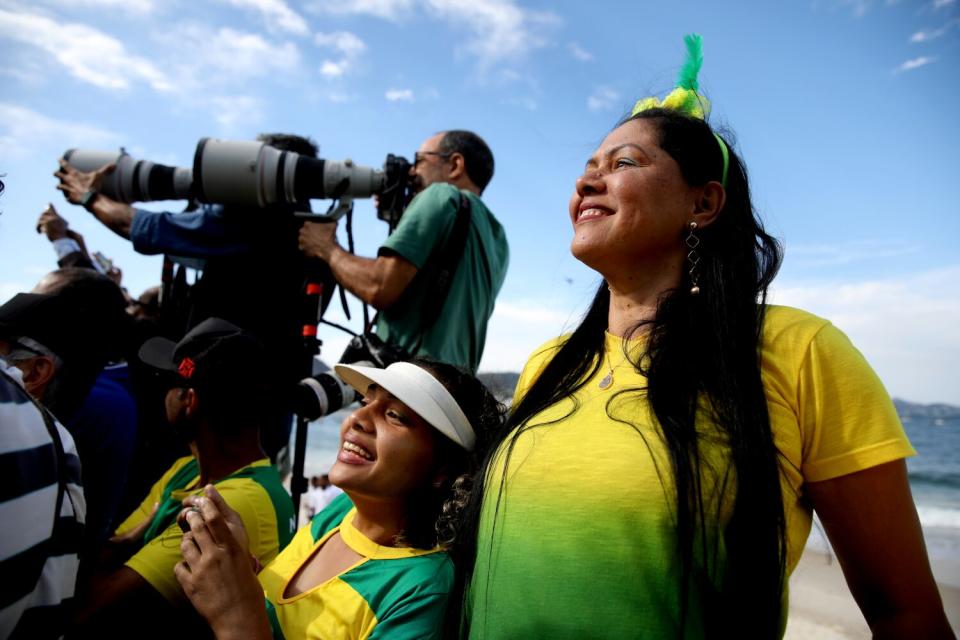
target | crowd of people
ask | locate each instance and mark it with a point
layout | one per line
(656, 474)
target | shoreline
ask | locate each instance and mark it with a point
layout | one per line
(822, 608)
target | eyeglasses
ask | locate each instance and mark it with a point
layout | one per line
(419, 155)
(24, 349)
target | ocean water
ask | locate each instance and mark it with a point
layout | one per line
(323, 441)
(935, 482)
(934, 479)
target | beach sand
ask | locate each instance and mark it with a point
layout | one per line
(822, 608)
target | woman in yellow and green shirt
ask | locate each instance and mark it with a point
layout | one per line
(659, 469)
(373, 563)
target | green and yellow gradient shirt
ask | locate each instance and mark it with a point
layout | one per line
(392, 592)
(577, 537)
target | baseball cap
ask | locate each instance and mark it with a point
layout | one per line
(213, 348)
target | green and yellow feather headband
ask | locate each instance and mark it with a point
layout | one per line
(686, 97)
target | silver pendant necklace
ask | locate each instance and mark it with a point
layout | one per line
(607, 381)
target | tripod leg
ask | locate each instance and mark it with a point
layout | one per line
(298, 482)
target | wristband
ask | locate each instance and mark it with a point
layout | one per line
(87, 200)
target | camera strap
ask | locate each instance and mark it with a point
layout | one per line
(449, 257)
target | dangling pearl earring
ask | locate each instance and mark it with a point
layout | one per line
(693, 258)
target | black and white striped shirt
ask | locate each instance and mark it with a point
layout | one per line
(39, 470)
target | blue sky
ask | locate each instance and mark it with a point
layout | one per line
(843, 110)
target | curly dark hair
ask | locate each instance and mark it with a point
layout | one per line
(433, 513)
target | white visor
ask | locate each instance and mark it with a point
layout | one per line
(420, 391)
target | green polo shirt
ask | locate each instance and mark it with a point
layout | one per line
(459, 333)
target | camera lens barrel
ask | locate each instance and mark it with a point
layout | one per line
(321, 395)
(133, 180)
(255, 174)
(161, 182)
(232, 172)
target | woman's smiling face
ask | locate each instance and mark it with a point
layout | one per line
(630, 207)
(386, 450)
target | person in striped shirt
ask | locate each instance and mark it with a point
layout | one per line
(42, 509)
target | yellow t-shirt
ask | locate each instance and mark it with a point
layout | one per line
(392, 592)
(577, 531)
(257, 508)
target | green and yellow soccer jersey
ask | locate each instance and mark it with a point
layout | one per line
(393, 592)
(577, 536)
(254, 491)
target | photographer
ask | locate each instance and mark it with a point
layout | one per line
(252, 272)
(451, 168)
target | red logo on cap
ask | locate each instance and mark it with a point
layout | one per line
(186, 368)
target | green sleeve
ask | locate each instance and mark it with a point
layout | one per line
(424, 224)
(417, 617)
(275, 629)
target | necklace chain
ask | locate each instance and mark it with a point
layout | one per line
(607, 381)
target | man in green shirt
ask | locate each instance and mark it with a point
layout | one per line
(402, 278)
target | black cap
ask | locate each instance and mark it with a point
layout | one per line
(214, 348)
(77, 330)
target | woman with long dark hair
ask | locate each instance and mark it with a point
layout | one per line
(657, 474)
(373, 563)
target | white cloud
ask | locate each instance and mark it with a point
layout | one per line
(338, 97)
(130, 6)
(386, 9)
(399, 95)
(279, 16)
(849, 252)
(858, 7)
(502, 31)
(225, 56)
(347, 45)
(341, 41)
(527, 102)
(579, 52)
(925, 36)
(22, 129)
(603, 99)
(232, 112)
(88, 54)
(905, 326)
(933, 34)
(533, 312)
(331, 69)
(940, 4)
(915, 63)
(517, 327)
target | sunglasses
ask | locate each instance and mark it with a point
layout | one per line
(419, 155)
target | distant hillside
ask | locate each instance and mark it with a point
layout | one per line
(502, 385)
(914, 410)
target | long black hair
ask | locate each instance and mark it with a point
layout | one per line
(702, 354)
